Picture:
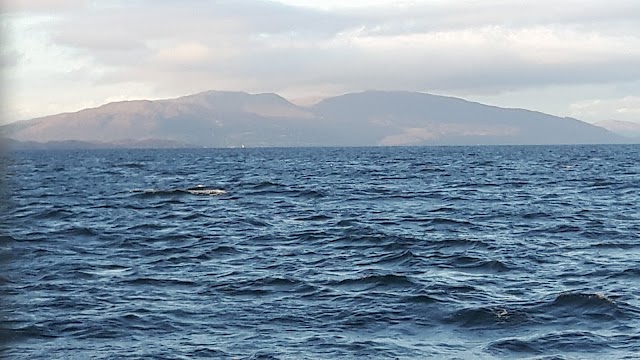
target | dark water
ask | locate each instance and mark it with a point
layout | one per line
(470, 252)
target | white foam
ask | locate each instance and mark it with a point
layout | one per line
(211, 192)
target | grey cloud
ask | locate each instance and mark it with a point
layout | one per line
(428, 16)
(196, 45)
(201, 20)
(426, 71)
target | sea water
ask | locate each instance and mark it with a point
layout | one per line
(322, 253)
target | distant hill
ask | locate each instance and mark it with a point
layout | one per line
(624, 128)
(233, 119)
(12, 144)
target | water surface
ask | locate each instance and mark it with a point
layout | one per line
(325, 253)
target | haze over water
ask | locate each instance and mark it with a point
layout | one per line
(324, 253)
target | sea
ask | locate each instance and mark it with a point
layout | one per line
(476, 252)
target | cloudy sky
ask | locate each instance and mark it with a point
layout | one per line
(578, 58)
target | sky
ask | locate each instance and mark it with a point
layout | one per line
(576, 58)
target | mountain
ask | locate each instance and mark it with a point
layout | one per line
(224, 119)
(624, 128)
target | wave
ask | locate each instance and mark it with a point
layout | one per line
(271, 188)
(6, 240)
(395, 258)
(132, 165)
(266, 185)
(461, 243)
(631, 273)
(311, 194)
(318, 217)
(537, 215)
(583, 300)
(471, 263)
(110, 271)
(208, 353)
(564, 228)
(373, 281)
(197, 190)
(267, 285)
(596, 307)
(488, 317)
(421, 299)
(149, 281)
(54, 214)
(581, 342)
(203, 190)
(80, 231)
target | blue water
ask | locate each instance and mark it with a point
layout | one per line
(330, 253)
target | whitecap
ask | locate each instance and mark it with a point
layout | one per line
(202, 190)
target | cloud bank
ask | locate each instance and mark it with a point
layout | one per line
(307, 48)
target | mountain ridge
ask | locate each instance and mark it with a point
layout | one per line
(374, 117)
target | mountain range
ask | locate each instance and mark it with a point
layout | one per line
(234, 119)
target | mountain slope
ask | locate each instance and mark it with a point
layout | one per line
(223, 119)
(624, 128)
(416, 118)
